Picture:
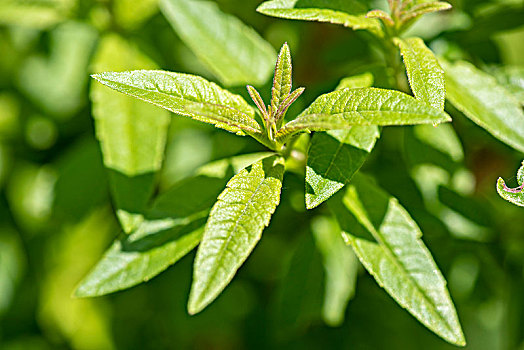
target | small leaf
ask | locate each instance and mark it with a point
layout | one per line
(349, 13)
(234, 227)
(485, 102)
(132, 133)
(513, 195)
(426, 77)
(282, 81)
(340, 266)
(370, 106)
(234, 52)
(187, 95)
(422, 8)
(363, 80)
(387, 242)
(333, 158)
(385, 17)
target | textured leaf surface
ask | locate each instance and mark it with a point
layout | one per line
(485, 102)
(513, 195)
(347, 13)
(343, 109)
(282, 80)
(426, 77)
(388, 243)
(132, 133)
(418, 9)
(334, 156)
(173, 227)
(187, 95)
(234, 227)
(234, 52)
(340, 266)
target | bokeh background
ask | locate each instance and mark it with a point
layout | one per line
(57, 217)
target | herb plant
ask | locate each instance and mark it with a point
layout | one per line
(402, 127)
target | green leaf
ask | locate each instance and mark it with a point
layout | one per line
(282, 80)
(442, 138)
(187, 95)
(38, 14)
(388, 243)
(485, 102)
(343, 109)
(234, 52)
(340, 266)
(421, 8)
(363, 80)
(57, 83)
(171, 229)
(512, 78)
(132, 133)
(426, 77)
(349, 13)
(513, 195)
(234, 227)
(333, 158)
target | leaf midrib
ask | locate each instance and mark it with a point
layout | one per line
(389, 251)
(230, 236)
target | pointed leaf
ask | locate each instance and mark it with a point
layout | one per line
(333, 158)
(171, 229)
(234, 52)
(132, 133)
(349, 13)
(423, 8)
(234, 227)
(485, 102)
(513, 195)
(187, 95)
(282, 81)
(343, 109)
(388, 243)
(340, 266)
(426, 77)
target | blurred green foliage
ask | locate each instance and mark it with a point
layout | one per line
(56, 216)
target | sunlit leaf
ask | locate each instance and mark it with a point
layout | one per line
(334, 156)
(347, 13)
(340, 266)
(388, 243)
(343, 109)
(234, 52)
(282, 81)
(426, 77)
(485, 102)
(420, 8)
(234, 227)
(513, 195)
(187, 95)
(132, 133)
